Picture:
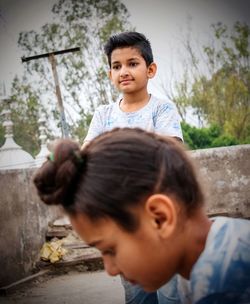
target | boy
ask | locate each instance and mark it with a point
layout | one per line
(131, 65)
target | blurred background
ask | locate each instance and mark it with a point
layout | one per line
(201, 49)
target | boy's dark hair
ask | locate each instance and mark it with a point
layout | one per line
(116, 172)
(130, 39)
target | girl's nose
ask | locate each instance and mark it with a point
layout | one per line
(110, 266)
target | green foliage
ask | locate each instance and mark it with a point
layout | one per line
(224, 140)
(222, 95)
(201, 138)
(25, 117)
(1, 135)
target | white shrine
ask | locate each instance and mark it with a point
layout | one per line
(12, 156)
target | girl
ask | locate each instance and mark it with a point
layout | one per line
(130, 191)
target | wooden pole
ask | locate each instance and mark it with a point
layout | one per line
(52, 60)
(65, 130)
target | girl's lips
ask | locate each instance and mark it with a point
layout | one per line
(133, 282)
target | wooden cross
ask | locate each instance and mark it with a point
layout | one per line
(52, 60)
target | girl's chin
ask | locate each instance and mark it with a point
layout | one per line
(133, 282)
(148, 288)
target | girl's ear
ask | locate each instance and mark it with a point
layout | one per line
(152, 68)
(162, 213)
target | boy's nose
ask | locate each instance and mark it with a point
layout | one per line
(110, 266)
(123, 71)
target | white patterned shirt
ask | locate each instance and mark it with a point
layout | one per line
(157, 115)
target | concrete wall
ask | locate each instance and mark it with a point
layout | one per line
(225, 173)
(23, 223)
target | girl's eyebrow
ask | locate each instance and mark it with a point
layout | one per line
(95, 243)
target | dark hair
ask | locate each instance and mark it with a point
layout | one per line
(130, 39)
(116, 171)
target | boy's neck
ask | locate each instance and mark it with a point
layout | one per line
(134, 102)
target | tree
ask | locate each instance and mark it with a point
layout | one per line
(83, 75)
(221, 95)
(25, 109)
(1, 134)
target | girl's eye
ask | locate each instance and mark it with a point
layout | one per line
(110, 252)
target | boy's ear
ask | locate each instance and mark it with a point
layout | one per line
(162, 213)
(110, 75)
(152, 68)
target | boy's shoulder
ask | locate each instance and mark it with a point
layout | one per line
(160, 99)
(103, 109)
(162, 104)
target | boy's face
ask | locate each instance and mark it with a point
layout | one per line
(140, 257)
(129, 72)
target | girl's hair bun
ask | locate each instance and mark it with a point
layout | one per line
(57, 179)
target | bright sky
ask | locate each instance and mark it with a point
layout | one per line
(164, 22)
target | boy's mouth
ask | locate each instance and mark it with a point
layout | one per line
(125, 81)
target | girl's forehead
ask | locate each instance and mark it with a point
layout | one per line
(93, 231)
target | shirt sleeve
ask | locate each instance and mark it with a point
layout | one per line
(222, 272)
(167, 120)
(96, 125)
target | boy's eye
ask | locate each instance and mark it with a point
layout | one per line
(115, 67)
(133, 64)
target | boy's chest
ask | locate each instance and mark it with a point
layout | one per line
(131, 120)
